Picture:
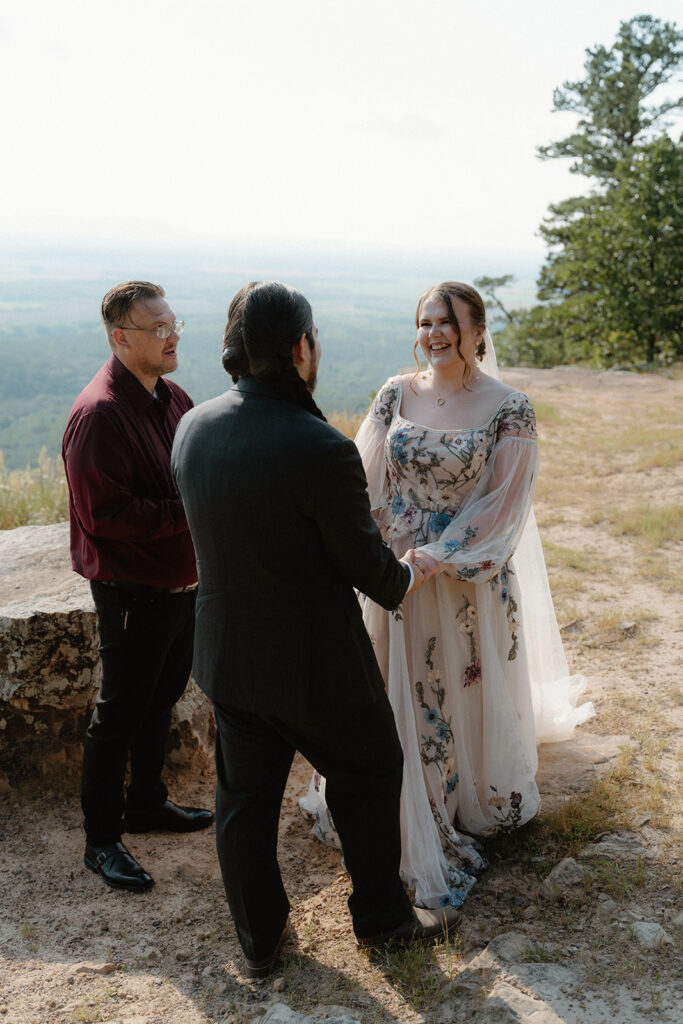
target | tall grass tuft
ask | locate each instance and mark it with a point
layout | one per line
(656, 525)
(347, 423)
(34, 496)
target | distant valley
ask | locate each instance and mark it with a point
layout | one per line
(52, 341)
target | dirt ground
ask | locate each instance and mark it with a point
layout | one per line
(72, 950)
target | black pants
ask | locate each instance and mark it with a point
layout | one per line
(146, 650)
(361, 758)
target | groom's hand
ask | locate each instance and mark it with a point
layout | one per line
(418, 575)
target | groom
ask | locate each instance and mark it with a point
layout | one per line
(278, 508)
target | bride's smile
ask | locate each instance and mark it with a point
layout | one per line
(438, 336)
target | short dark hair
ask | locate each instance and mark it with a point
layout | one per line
(118, 302)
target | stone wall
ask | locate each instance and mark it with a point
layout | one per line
(49, 666)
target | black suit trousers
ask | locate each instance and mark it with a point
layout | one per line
(360, 755)
(146, 643)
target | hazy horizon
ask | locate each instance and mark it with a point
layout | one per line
(52, 340)
(373, 123)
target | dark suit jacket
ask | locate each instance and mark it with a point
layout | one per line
(277, 505)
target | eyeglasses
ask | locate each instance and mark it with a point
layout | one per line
(163, 332)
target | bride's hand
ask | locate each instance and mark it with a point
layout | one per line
(427, 565)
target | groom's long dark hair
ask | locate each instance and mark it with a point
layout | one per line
(265, 321)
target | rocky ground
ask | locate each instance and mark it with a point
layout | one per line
(578, 918)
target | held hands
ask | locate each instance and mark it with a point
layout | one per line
(423, 566)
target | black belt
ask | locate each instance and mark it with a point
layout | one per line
(144, 588)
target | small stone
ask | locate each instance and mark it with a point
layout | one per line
(607, 909)
(279, 985)
(615, 846)
(510, 946)
(564, 875)
(530, 912)
(649, 934)
(90, 967)
(506, 1004)
(280, 1013)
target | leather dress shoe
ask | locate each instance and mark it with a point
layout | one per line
(423, 926)
(262, 968)
(117, 867)
(169, 818)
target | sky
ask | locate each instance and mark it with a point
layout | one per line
(407, 125)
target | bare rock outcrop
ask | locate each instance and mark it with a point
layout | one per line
(49, 666)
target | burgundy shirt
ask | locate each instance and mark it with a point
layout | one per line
(127, 520)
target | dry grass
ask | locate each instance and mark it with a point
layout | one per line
(347, 423)
(656, 525)
(33, 496)
(558, 556)
(546, 414)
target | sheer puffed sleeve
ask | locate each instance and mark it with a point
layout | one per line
(371, 436)
(488, 524)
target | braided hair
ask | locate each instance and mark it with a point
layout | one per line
(273, 318)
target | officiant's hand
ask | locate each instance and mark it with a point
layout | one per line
(427, 565)
(418, 575)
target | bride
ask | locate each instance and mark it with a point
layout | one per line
(473, 662)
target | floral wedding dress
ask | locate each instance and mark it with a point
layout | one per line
(473, 661)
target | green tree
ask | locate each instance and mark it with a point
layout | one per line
(611, 99)
(490, 285)
(616, 271)
(612, 277)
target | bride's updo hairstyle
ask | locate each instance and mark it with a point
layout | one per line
(447, 291)
(235, 359)
(273, 318)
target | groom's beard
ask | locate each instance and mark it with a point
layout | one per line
(312, 378)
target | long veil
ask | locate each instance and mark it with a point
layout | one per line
(554, 692)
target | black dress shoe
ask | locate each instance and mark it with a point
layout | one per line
(169, 818)
(262, 968)
(423, 926)
(117, 867)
